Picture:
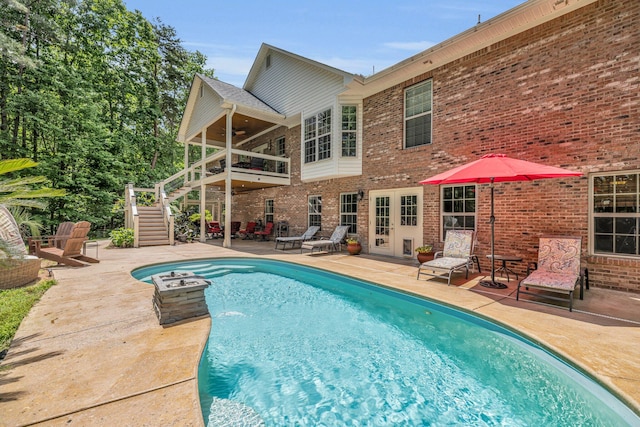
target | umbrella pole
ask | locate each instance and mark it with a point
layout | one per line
(492, 220)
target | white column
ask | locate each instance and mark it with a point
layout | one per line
(227, 180)
(203, 187)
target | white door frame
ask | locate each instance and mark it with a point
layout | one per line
(388, 233)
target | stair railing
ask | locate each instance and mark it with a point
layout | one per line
(167, 215)
(131, 216)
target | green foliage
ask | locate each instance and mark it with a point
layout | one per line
(15, 305)
(122, 237)
(424, 249)
(94, 93)
(195, 218)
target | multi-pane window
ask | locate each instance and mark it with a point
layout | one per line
(458, 208)
(317, 137)
(349, 130)
(349, 211)
(417, 114)
(616, 213)
(409, 210)
(281, 167)
(315, 211)
(268, 210)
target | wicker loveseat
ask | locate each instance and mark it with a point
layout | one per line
(16, 267)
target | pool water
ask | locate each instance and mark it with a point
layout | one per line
(292, 345)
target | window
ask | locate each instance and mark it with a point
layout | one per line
(616, 213)
(317, 137)
(409, 210)
(417, 115)
(268, 210)
(349, 211)
(349, 131)
(458, 208)
(315, 211)
(281, 167)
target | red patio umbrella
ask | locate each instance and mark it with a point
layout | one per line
(492, 168)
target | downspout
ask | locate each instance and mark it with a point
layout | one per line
(227, 181)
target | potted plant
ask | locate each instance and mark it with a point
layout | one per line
(425, 253)
(353, 246)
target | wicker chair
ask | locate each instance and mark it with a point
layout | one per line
(16, 268)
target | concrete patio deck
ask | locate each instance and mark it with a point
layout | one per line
(91, 352)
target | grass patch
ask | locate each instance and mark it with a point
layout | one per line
(15, 305)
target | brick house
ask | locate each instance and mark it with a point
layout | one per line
(553, 82)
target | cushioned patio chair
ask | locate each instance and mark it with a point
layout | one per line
(333, 243)
(214, 230)
(248, 231)
(268, 229)
(294, 240)
(557, 269)
(455, 256)
(72, 254)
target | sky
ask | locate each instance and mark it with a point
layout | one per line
(357, 36)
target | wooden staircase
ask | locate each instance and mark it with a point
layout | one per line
(153, 231)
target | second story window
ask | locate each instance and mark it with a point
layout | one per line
(317, 137)
(349, 131)
(417, 115)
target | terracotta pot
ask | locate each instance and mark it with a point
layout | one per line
(425, 256)
(354, 248)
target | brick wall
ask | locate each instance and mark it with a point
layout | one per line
(565, 94)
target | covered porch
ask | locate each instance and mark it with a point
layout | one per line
(233, 154)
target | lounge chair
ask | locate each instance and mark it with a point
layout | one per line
(72, 254)
(557, 269)
(58, 240)
(248, 231)
(456, 255)
(266, 232)
(294, 240)
(331, 244)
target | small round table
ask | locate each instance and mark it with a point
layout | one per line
(503, 267)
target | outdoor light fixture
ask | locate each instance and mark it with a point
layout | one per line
(360, 195)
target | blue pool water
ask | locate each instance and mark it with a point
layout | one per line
(291, 345)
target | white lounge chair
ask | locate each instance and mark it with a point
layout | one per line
(456, 255)
(294, 240)
(331, 244)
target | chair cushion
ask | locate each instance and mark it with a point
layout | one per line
(446, 263)
(552, 281)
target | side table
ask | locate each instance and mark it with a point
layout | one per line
(503, 268)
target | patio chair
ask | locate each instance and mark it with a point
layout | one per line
(235, 228)
(248, 231)
(266, 232)
(557, 269)
(294, 240)
(58, 240)
(214, 230)
(72, 254)
(455, 256)
(331, 244)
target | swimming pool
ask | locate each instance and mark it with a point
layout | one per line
(292, 345)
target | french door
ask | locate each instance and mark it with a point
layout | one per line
(395, 227)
